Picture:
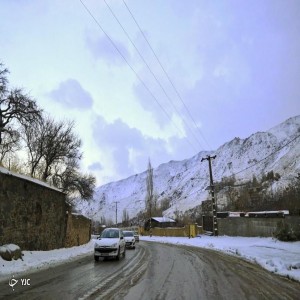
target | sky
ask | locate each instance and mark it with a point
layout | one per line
(225, 69)
(278, 257)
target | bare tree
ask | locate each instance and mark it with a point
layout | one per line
(50, 145)
(34, 135)
(10, 144)
(54, 155)
(72, 182)
(14, 105)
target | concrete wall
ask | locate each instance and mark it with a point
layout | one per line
(78, 230)
(32, 215)
(249, 227)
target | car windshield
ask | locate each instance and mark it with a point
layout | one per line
(128, 233)
(111, 233)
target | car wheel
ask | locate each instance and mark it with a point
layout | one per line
(118, 255)
(96, 258)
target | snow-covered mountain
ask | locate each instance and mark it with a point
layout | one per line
(184, 182)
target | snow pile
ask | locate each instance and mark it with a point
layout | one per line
(278, 257)
(37, 260)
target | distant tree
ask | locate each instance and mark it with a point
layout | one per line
(14, 106)
(149, 185)
(254, 181)
(277, 176)
(165, 203)
(125, 217)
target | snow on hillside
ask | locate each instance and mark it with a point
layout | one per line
(185, 182)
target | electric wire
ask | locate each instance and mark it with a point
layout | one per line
(167, 75)
(259, 161)
(136, 74)
(152, 73)
(216, 184)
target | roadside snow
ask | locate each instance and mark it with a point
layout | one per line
(38, 260)
(278, 257)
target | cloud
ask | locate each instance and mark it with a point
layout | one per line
(71, 94)
(128, 147)
(95, 167)
(242, 62)
(102, 49)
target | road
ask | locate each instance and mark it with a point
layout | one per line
(80, 279)
(156, 271)
(181, 272)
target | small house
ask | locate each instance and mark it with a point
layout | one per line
(161, 222)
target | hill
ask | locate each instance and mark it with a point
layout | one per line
(182, 185)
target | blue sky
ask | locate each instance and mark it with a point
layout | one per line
(235, 65)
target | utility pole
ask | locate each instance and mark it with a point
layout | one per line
(117, 212)
(212, 190)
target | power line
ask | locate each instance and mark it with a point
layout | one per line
(167, 75)
(267, 156)
(154, 76)
(136, 74)
(200, 191)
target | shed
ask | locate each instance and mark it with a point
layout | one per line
(161, 222)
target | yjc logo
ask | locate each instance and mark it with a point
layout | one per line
(24, 281)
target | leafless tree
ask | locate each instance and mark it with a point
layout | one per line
(10, 144)
(14, 105)
(54, 155)
(72, 182)
(34, 135)
(51, 144)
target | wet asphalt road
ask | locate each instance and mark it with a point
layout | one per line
(72, 280)
(156, 271)
(180, 272)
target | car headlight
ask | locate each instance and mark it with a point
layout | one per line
(114, 245)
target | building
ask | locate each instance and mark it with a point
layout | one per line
(161, 222)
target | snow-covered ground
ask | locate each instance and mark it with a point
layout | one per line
(278, 257)
(38, 260)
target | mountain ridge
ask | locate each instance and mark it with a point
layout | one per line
(185, 182)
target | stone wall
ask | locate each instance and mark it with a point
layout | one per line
(32, 215)
(250, 227)
(78, 230)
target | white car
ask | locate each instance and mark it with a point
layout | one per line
(110, 243)
(129, 239)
